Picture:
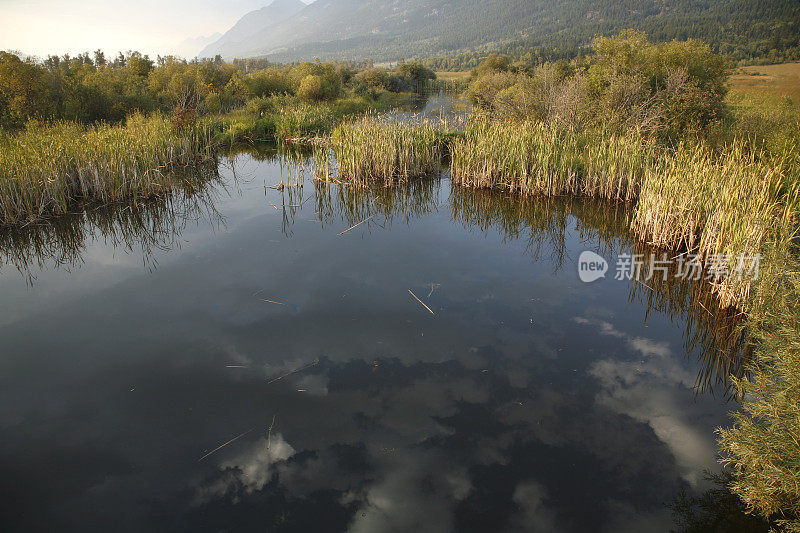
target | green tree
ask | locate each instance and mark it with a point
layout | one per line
(25, 91)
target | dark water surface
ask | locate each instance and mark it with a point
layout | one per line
(134, 342)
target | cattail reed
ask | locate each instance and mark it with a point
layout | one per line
(46, 168)
(687, 198)
(389, 151)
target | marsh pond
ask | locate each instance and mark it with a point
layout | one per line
(234, 359)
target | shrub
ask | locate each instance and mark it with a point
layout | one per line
(311, 89)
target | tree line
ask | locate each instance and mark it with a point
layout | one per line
(90, 88)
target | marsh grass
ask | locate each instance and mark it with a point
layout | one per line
(152, 224)
(392, 152)
(731, 203)
(544, 159)
(47, 168)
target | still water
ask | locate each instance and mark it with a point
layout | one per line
(226, 361)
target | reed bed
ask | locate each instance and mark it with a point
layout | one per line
(533, 158)
(48, 167)
(392, 152)
(544, 159)
(730, 204)
(733, 206)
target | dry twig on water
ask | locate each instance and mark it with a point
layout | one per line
(316, 362)
(353, 227)
(421, 302)
(218, 448)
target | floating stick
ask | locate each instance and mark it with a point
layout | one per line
(316, 362)
(222, 446)
(353, 227)
(421, 302)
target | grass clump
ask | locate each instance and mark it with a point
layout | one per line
(46, 168)
(542, 158)
(389, 151)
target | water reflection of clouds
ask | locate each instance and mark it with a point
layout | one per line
(250, 470)
(495, 411)
(653, 389)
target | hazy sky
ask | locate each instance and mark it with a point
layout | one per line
(42, 27)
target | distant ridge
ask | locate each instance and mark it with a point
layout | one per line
(237, 41)
(386, 30)
(190, 47)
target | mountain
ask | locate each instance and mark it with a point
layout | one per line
(386, 30)
(190, 47)
(237, 41)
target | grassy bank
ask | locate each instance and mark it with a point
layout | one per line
(46, 169)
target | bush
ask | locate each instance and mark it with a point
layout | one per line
(673, 89)
(268, 82)
(310, 89)
(260, 106)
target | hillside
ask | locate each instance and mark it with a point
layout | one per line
(393, 29)
(251, 28)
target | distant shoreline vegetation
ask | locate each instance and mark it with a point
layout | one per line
(89, 129)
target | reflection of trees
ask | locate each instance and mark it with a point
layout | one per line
(148, 225)
(711, 331)
(717, 509)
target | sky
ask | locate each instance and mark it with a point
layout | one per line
(43, 27)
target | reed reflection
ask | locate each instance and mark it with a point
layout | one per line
(146, 226)
(712, 332)
(375, 203)
(714, 335)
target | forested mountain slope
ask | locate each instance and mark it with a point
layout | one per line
(393, 29)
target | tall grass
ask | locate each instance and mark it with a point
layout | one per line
(388, 151)
(541, 158)
(730, 204)
(46, 168)
(535, 158)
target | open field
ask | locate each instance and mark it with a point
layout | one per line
(774, 80)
